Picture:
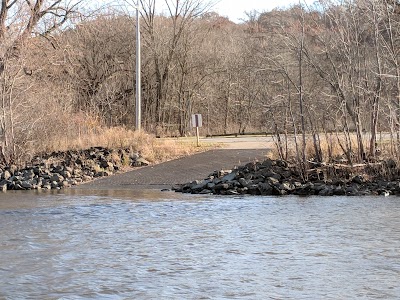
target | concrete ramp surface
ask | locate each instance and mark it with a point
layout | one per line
(182, 170)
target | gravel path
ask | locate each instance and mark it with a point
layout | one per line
(181, 170)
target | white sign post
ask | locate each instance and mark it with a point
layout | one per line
(197, 122)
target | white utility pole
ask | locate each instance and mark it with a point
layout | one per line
(138, 72)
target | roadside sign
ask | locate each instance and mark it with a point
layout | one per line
(197, 120)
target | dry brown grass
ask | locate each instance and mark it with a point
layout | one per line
(326, 142)
(151, 148)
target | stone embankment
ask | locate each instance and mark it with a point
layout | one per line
(275, 177)
(64, 169)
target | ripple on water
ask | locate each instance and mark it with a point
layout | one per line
(201, 248)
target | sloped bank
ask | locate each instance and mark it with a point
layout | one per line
(59, 170)
(276, 177)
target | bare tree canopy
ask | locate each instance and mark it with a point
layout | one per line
(21, 19)
(324, 79)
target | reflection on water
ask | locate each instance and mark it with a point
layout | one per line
(150, 245)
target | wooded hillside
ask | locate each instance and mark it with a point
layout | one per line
(325, 73)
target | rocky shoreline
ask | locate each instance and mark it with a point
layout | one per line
(276, 177)
(59, 170)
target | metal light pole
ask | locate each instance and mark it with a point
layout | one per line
(138, 74)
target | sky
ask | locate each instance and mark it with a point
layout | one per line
(234, 9)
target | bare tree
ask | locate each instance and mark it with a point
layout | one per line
(163, 37)
(20, 22)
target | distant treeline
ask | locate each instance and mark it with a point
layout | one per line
(329, 74)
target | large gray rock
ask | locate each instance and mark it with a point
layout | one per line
(327, 191)
(221, 186)
(267, 163)
(15, 178)
(305, 189)
(57, 178)
(205, 192)
(141, 162)
(272, 181)
(199, 185)
(253, 189)
(26, 185)
(287, 186)
(101, 174)
(232, 192)
(107, 165)
(358, 179)
(265, 188)
(210, 185)
(245, 182)
(229, 177)
(352, 191)
(28, 174)
(18, 187)
(339, 191)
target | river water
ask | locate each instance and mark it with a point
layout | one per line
(152, 245)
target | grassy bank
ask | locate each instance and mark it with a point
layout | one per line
(153, 149)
